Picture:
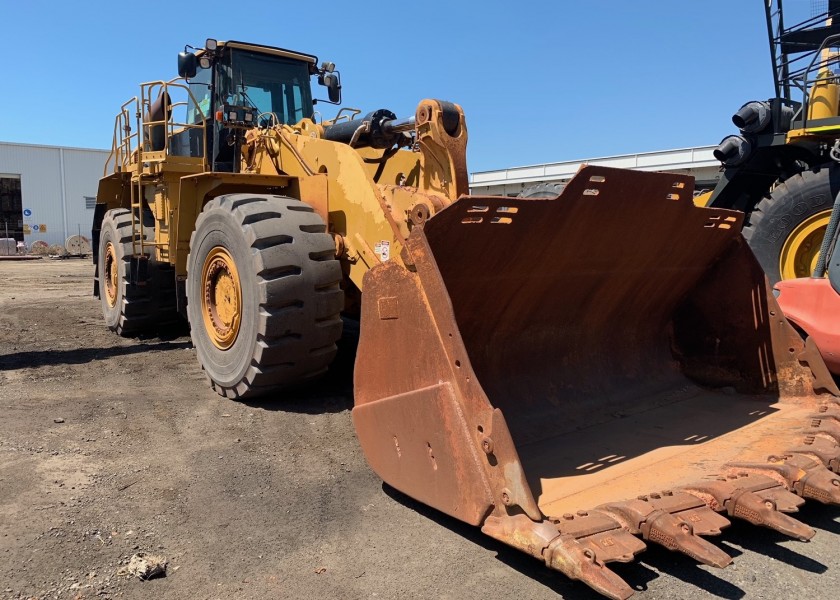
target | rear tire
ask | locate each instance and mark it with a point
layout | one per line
(786, 228)
(542, 190)
(126, 307)
(263, 293)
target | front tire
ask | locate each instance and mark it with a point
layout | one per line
(263, 293)
(786, 228)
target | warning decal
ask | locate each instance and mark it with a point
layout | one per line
(382, 249)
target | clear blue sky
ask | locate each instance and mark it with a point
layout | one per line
(540, 81)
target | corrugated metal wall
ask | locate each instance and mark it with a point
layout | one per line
(54, 184)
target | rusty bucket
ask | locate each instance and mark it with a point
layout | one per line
(584, 374)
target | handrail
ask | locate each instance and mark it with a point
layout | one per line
(130, 144)
(802, 78)
(132, 147)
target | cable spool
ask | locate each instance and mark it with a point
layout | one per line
(78, 245)
(39, 248)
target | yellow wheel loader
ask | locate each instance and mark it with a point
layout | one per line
(578, 375)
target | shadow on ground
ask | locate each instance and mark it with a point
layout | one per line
(766, 542)
(77, 356)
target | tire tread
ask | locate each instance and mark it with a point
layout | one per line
(296, 289)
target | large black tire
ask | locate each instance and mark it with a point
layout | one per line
(127, 307)
(168, 320)
(144, 306)
(289, 304)
(778, 216)
(542, 190)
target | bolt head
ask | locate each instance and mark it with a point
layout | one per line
(506, 497)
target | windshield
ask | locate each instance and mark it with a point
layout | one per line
(200, 89)
(271, 84)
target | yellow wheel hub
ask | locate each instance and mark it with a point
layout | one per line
(221, 300)
(802, 247)
(111, 275)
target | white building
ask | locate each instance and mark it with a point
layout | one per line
(47, 192)
(697, 162)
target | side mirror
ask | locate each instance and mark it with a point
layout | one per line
(187, 65)
(333, 87)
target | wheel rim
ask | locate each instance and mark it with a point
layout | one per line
(221, 301)
(111, 275)
(801, 249)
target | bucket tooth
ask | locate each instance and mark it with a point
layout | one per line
(826, 424)
(801, 474)
(827, 451)
(577, 561)
(758, 511)
(579, 546)
(785, 501)
(828, 412)
(676, 534)
(601, 533)
(690, 509)
(725, 495)
(766, 488)
(661, 527)
(818, 483)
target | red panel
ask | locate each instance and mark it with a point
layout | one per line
(814, 306)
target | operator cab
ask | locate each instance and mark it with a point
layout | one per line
(238, 86)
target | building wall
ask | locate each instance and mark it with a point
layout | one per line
(697, 162)
(54, 184)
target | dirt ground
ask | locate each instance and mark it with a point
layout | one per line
(111, 447)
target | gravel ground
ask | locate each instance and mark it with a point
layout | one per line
(111, 447)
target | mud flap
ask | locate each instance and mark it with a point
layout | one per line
(546, 367)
